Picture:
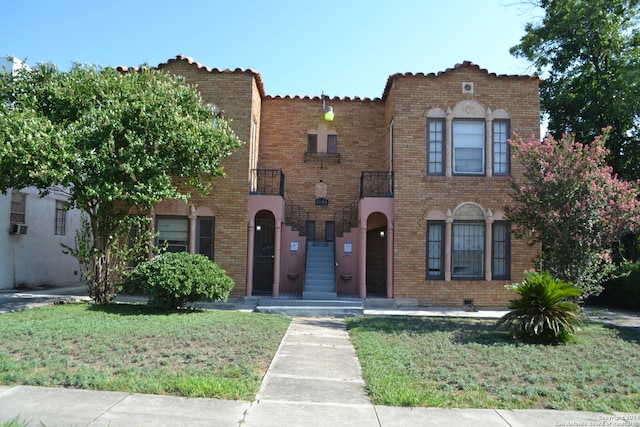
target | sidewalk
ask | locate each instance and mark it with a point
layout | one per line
(314, 380)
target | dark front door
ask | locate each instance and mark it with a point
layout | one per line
(377, 262)
(329, 231)
(311, 231)
(263, 256)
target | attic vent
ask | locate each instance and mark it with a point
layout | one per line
(467, 87)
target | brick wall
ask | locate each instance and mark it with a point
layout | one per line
(416, 194)
(360, 127)
(239, 98)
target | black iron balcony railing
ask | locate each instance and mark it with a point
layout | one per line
(296, 217)
(267, 182)
(346, 218)
(376, 184)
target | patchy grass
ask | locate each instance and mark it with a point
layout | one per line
(134, 348)
(468, 363)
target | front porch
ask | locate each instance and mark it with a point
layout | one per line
(284, 247)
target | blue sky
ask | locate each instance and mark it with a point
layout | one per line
(299, 47)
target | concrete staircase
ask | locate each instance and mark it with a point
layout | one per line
(320, 278)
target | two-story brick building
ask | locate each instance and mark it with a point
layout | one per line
(395, 197)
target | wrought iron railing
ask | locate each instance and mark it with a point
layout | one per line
(376, 184)
(267, 182)
(346, 218)
(296, 217)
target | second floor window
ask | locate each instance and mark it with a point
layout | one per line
(500, 147)
(468, 147)
(435, 147)
(332, 144)
(312, 143)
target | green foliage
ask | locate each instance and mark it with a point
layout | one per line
(568, 199)
(118, 141)
(173, 279)
(622, 291)
(132, 239)
(587, 52)
(543, 314)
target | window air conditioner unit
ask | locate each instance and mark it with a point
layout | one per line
(18, 228)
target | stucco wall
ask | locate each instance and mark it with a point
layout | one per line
(36, 258)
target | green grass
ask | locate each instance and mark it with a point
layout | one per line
(468, 363)
(134, 348)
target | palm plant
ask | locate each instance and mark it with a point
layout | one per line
(544, 313)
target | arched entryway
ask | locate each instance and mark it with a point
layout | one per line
(264, 253)
(376, 258)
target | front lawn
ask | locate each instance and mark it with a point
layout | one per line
(468, 363)
(134, 348)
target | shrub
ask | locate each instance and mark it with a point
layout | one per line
(622, 291)
(173, 279)
(543, 314)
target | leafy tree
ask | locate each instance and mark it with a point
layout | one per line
(568, 199)
(588, 53)
(118, 141)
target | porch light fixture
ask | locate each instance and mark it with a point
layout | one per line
(328, 110)
(258, 228)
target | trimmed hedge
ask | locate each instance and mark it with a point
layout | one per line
(173, 279)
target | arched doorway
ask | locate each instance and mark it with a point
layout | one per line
(376, 263)
(263, 253)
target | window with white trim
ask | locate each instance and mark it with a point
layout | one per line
(468, 140)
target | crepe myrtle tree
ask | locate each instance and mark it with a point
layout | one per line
(571, 202)
(118, 141)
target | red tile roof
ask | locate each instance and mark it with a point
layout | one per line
(465, 64)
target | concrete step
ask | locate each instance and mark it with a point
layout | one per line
(320, 294)
(296, 302)
(311, 308)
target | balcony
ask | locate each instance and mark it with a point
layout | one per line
(267, 182)
(376, 184)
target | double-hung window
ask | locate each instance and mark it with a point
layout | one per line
(468, 147)
(500, 147)
(435, 147)
(173, 233)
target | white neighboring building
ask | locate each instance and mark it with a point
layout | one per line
(32, 230)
